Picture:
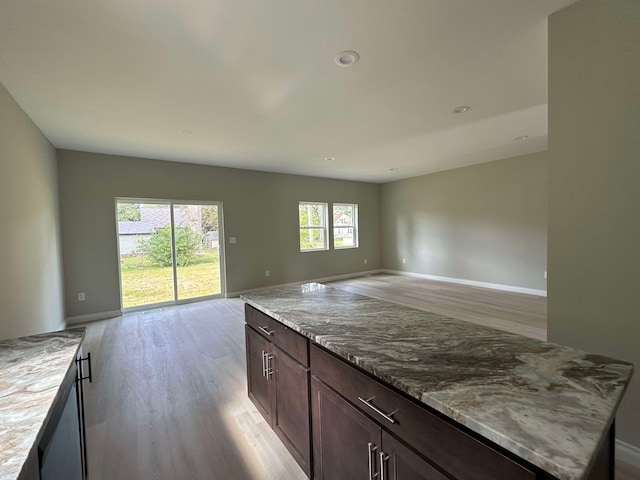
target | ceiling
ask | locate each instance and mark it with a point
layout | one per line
(253, 83)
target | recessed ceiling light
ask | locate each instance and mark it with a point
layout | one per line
(394, 169)
(348, 58)
(462, 109)
(187, 132)
(330, 159)
(523, 137)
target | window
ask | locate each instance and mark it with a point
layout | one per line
(345, 225)
(313, 226)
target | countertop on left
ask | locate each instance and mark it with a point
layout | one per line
(31, 372)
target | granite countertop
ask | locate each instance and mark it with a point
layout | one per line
(31, 372)
(548, 404)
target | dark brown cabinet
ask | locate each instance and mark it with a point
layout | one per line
(348, 445)
(258, 356)
(360, 427)
(278, 385)
(402, 463)
(343, 438)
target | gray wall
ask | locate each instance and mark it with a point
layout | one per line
(594, 172)
(486, 223)
(31, 281)
(260, 209)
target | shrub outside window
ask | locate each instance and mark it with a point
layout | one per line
(345, 225)
(313, 224)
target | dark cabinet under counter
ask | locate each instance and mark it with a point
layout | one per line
(62, 450)
(278, 382)
(402, 394)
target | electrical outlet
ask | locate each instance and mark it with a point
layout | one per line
(366, 261)
(233, 240)
(81, 297)
(545, 274)
(404, 261)
(267, 273)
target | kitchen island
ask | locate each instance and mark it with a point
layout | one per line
(549, 408)
(33, 371)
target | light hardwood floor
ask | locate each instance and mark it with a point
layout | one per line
(512, 312)
(169, 396)
(169, 399)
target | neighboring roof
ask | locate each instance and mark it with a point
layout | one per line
(342, 219)
(152, 218)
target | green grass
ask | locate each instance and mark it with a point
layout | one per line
(144, 283)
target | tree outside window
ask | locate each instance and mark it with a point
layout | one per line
(313, 226)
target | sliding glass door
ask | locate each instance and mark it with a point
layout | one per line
(169, 251)
(197, 250)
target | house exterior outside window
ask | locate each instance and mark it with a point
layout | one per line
(345, 225)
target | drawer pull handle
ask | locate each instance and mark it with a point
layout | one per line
(79, 362)
(265, 330)
(383, 464)
(264, 368)
(387, 416)
(269, 368)
(372, 449)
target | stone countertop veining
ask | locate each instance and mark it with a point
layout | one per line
(548, 404)
(31, 372)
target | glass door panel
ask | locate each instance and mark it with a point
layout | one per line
(146, 257)
(197, 250)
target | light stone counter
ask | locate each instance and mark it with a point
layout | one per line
(31, 372)
(548, 404)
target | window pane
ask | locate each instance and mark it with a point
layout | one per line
(197, 252)
(343, 237)
(311, 215)
(342, 215)
(345, 225)
(144, 238)
(312, 239)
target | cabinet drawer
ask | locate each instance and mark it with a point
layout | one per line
(453, 450)
(288, 340)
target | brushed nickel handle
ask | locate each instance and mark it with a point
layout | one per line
(266, 331)
(269, 370)
(387, 416)
(383, 463)
(372, 448)
(264, 364)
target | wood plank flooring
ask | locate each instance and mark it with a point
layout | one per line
(169, 399)
(511, 312)
(169, 396)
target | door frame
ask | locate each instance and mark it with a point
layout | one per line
(221, 251)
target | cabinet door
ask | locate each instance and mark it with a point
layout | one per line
(60, 450)
(257, 382)
(401, 463)
(346, 444)
(291, 420)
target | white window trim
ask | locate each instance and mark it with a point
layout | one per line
(356, 236)
(324, 227)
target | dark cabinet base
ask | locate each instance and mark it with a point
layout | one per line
(328, 411)
(278, 384)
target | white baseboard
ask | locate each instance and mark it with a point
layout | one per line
(91, 317)
(628, 453)
(319, 280)
(474, 283)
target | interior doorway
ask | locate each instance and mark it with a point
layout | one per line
(169, 251)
